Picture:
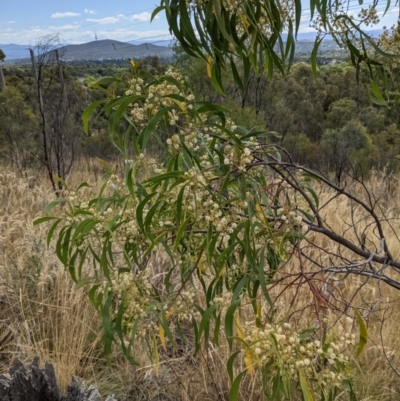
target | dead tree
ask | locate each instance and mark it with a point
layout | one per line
(58, 109)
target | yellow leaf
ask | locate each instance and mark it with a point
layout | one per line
(162, 337)
(261, 213)
(259, 310)
(244, 19)
(248, 361)
(363, 332)
(157, 359)
(239, 329)
(178, 103)
(209, 61)
(307, 395)
(200, 267)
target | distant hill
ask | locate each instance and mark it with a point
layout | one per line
(13, 51)
(163, 43)
(112, 49)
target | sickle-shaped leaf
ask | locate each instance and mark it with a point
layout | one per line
(363, 332)
(234, 391)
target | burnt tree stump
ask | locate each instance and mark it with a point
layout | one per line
(40, 384)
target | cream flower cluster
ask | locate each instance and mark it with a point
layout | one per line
(292, 218)
(182, 309)
(157, 95)
(240, 160)
(283, 346)
(224, 299)
(136, 291)
(290, 212)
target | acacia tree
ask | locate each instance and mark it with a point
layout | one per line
(207, 240)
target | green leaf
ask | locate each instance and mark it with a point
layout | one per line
(179, 205)
(298, 15)
(313, 194)
(208, 107)
(80, 228)
(167, 331)
(88, 111)
(151, 126)
(363, 332)
(92, 296)
(124, 104)
(139, 211)
(43, 219)
(236, 76)
(217, 79)
(378, 101)
(314, 53)
(156, 11)
(51, 231)
(149, 218)
(108, 336)
(234, 391)
(229, 320)
(377, 97)
(105, 81)
(229, 365)
(261, 277)
(52, 205)
(180, 232)
(216, 329)
(205, 319)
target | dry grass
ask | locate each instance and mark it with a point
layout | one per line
(41, 312)
(378, 370)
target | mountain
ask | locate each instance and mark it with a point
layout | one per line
(112, 49)
(13, 51)
(163, 43)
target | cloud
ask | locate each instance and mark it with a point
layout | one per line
(143, 17)
(87, 11)
(307, 29)
(104, 21)
(64, 15)
(70, 33)
(61, 28)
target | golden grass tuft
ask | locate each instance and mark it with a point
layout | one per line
(41, 311)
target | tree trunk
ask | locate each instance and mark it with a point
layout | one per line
(2, 80)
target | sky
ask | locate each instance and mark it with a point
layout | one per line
(79, 21)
